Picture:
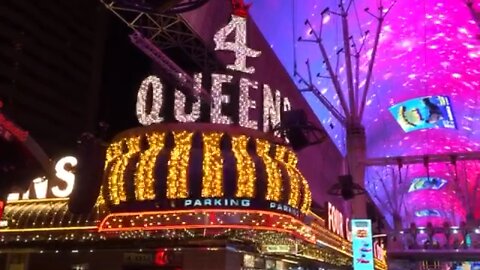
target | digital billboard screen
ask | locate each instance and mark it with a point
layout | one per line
(422, 183)
(427, 213)
(362, 244)
(424, 113)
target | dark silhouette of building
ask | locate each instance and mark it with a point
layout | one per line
(51, 58)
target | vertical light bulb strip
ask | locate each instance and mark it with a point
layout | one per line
(118, 170)
(144, 175)
(245, 168)
(212, 180)
(274, 175)
(295, 180)
(307, 195)
(113, 157)
(301, 183)
(100, 199)
(180, 101)
(114, 151)
(177, 185)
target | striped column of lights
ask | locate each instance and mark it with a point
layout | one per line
(212, 180)
(307, 196)
(245, 168)
(100, 199)
(114, 152)
(296, 174)
(144, 175)
(177, 186)
(117, 173)
(294, 196)
(274, 175)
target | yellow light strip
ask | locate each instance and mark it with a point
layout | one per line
(113, 157)
(212, 180)
(290, 165)
(274, 175)
(48, 200)
(114, 151)
(100, 198)
(117, 175)
(307, 194)
(144, 176)
(177, 186)
(245, 168)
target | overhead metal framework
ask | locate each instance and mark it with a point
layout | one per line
(166, 32)
(421, 159)
(162, 6)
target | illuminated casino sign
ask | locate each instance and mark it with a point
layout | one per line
(256, 105)
(59, 187)
(207, 164)
(337, 223)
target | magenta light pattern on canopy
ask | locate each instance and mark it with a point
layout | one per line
(427, 48)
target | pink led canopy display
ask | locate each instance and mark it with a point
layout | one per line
(428, 48)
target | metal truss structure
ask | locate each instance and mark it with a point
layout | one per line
(156, 33)
(422, 159)
(162, 6)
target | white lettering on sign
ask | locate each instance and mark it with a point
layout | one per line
(246, 203)
(284, 208)
(181, 100)
(348, 231)
(216, 202)
(335, 220)
(218, 99)
(145, 115)
(239, 46)
(40, 185)
(269, 103)
(277, 248)
(270, 110)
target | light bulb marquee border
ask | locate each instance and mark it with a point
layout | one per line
(214, 219)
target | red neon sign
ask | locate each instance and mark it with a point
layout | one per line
(9, 126)
(161, 258)
(2, 206)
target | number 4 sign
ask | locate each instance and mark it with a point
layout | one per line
(238, 25)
